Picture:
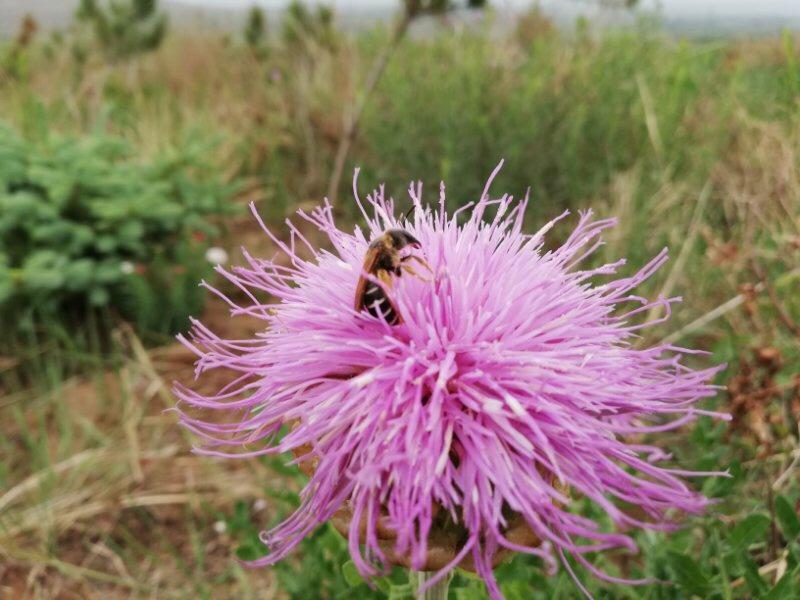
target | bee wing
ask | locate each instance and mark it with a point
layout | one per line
(370, 262)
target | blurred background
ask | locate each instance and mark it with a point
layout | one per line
(133, 134)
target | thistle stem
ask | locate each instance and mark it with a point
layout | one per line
(436, 592)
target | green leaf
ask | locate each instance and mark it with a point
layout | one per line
(794, 552)
(401, 591)
(718, 487)
(79, 274)
(476, 593)
(787, 518)
(754, 580)
(106, 244)
(786, 588)
(42, 280)
(248, 552)
(351, 574)
(749, 530)
(688, 573)
(384, 584)
(6, 286)
(98, 296)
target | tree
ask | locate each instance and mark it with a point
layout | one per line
(255, 27)
(303, 27)
(123, 28)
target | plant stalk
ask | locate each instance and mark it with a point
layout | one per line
(436, 592)
(353, 120)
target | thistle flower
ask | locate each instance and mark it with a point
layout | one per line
(507, 392)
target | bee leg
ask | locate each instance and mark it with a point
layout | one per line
(419, 260)
(409, 269)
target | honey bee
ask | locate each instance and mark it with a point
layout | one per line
(383, 260)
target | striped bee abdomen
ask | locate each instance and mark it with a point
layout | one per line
(377, 303)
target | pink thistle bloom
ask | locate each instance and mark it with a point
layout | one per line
(510, 385)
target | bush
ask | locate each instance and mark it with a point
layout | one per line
(255, 28)
(415, 8)
(124, 28)
(14, 59)
(85, 227)
(566, 115)
(303, 28)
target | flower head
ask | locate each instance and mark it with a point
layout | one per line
(507, 391)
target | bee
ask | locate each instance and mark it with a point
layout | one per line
(383, 261)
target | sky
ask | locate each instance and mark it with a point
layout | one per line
(719, 8)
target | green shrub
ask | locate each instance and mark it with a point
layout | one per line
(303, 28)
(14, 58)
(567, 114)
(123, 29)
(255, 28)
(416, 8)
(84, 226)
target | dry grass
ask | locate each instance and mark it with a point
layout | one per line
(106, 499)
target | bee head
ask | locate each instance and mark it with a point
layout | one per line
(401, 238)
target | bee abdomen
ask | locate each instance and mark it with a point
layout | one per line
(377, 303)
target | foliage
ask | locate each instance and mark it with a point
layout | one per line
(418, 7)
(579, 105)
(415, 8)
(324, 569)
(255, 27)
(14, 59)
(83, 225)
(123, 28)
(304, 28)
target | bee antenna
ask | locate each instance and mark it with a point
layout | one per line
(408, 212)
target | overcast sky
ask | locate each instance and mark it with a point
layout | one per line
(670, 7)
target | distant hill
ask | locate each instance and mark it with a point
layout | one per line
(57, 14)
